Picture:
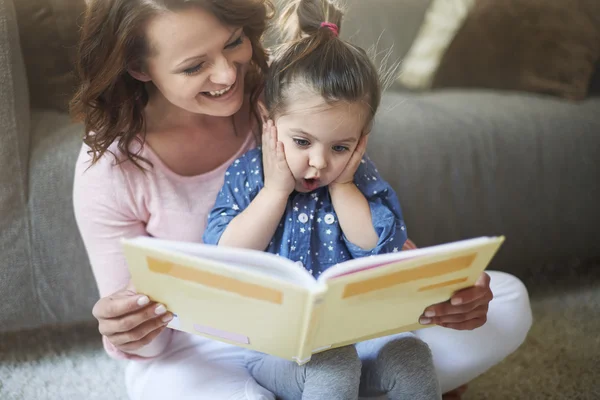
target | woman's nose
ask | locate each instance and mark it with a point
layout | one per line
(224, 72)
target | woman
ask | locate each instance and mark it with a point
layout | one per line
(168, 95)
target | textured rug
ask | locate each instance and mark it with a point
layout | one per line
(559, 360)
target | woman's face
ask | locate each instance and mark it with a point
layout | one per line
(197, 63)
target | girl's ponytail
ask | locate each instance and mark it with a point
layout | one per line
(312, 57)
(302, 18)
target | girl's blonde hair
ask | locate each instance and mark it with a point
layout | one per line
(314, 56)
(109, 101)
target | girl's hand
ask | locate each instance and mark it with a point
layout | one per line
(347, 175)
(130, 320)
(466, 310)
(278, 176)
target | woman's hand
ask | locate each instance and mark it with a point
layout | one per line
(278, 176)
(466, 310)
(130, 320)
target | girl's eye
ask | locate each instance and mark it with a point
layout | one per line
(236, 42)
(302, 142)
(340, 149)
(193, 70)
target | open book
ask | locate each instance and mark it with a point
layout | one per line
(271, 304)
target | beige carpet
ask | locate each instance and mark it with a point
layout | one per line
(560, 359)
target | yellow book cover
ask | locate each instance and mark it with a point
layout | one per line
(270, 304)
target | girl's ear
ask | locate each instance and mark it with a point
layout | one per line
(139, 75)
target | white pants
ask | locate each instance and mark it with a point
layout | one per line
(197, 368)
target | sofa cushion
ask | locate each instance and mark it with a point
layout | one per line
(16, 275)
(49, 32)
(65, 286)
(529, 45)
(473, 163)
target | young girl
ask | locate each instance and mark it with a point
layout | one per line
(320, 201)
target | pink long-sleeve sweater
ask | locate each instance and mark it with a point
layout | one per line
(118, 201)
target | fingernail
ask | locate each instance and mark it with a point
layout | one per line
(429, 314)
(456, 301)
(425, 321)
(160, 310)
(142, 301)
(167, 318)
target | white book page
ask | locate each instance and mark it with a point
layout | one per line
(256, 261)
(359, 264)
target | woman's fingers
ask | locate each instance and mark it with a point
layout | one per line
(446, 308)
(478, 312)
(139, 337)
(109, 327)
(467, 325)
(477, 292)
(118, 304)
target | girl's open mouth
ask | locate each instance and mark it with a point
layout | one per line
(310, 184)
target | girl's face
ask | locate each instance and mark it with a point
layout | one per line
(197, 63)
(319, 139)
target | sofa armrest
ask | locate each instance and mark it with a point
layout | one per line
(15, 270)
(471, 163)
(14, 102)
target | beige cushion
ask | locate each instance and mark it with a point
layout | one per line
(525, 45)
(49, 32)
(442, 20)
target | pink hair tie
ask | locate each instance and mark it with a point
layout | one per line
(332, 27)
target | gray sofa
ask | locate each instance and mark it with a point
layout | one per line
(464, 163)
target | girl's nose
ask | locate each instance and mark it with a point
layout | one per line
(318, 161)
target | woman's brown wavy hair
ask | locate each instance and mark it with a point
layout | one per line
(109, 101)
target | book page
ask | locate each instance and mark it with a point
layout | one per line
(390, 298)
(251, 260)
(222, 301)
(366, 263)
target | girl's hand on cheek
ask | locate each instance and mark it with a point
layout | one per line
(347, 176)
(278, 177)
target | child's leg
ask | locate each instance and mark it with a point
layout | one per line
(400, 366)
(333, 374)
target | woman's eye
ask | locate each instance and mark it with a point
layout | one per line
(302, 142)
(340, 149)
(235, 43)
(193, 70)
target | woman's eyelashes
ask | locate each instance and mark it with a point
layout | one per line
(193, 70)
(236, 42)
(196, 68)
